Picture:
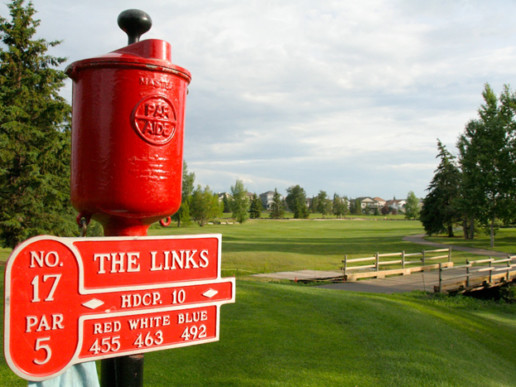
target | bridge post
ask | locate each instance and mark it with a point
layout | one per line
(467, 273)
(440, 277)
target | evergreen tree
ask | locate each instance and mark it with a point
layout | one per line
(34, 133)
(440, 207)
(256, 207)
(226, 204)
(239, 202)
(313, 204)
(296, 201)
(277, 207)
(356, 207)
(183, 214)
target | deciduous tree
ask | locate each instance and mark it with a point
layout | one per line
(296, 201)
(340, 205)
(204, 205)
(239, 202)
(412, 206)
(323, 203)
(486, 157)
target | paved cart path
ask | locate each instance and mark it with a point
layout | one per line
(419, 239)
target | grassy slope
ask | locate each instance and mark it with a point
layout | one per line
(291, 336)
(284, 335)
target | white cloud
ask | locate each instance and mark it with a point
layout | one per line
(343, 96)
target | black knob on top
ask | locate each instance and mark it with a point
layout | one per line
(134, 23)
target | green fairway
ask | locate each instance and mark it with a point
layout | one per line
(274, 245)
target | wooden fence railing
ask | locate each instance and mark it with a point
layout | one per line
(423, 259)
(478, 273)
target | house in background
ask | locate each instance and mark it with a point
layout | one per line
(267, 198)
(367, 203)
(379, 202)
(396, 205)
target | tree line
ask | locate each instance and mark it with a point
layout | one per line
(477, 188)
(201, 204)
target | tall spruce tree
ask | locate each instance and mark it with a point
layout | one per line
(255, 210)
(277, 207)
(187, 188)
(440, 207)
(34, 133)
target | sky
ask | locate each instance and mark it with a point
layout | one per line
(344, 96)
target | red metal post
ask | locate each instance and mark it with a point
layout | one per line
(127, 146)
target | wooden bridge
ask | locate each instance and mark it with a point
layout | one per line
(405, 272)
(476, 275)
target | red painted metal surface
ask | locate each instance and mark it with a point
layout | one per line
(127, 136)
(69, 300)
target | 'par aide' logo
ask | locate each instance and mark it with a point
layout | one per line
(154, 119)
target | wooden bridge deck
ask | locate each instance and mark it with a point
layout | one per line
(427, 281)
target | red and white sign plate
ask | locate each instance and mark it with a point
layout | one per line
(69, 300)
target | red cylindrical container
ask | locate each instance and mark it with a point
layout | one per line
(127, 136)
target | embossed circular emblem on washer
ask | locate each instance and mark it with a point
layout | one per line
(154, 119)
